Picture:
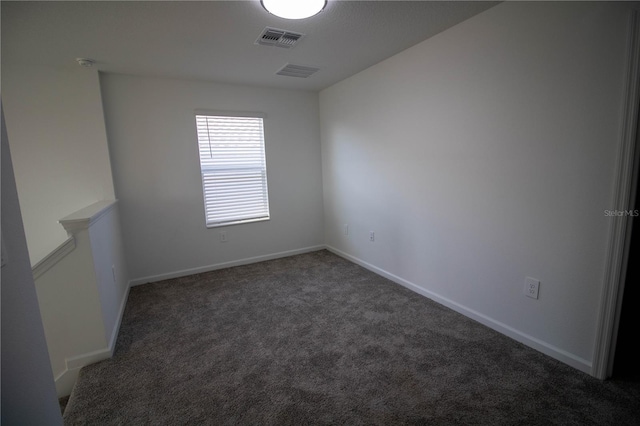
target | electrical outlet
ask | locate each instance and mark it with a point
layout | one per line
(346, 229)
(372, 236)
(223, 236)
(531, 287)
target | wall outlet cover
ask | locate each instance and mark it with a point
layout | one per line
(531, 287)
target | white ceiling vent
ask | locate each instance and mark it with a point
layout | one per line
(291, 70)
(280, 38)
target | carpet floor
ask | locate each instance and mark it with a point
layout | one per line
(316, 339)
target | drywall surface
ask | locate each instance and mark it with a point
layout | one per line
(28, 392)
(58, 140)
(82, 294)
(153, 145)
(485, 155)
(111, 274)
(70, 306)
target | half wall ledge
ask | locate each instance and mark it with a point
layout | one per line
(84, 218)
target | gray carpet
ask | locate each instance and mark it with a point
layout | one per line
(315, 339)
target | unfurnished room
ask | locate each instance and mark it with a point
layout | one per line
(350, 212)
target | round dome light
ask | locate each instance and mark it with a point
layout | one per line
(294, 9)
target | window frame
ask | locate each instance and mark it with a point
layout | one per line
(207, 200)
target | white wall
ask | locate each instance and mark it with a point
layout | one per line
(28, 393)
(70, 308)
(151, 129)
(58, 140)
(81, 300)
(484, 155)
(111, 270)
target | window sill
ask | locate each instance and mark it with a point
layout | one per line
(237, 222)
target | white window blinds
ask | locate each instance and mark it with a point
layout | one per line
(234, 170)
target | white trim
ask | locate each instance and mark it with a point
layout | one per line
(86, 217)
(233, 169)
(116, 329)
(216, 266)
(544, 347)
(219, 113)
(80, 361)
(67, 379)
(54, 257)
(613, 286)
(237, 222)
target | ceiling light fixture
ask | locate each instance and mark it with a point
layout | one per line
(294, 9)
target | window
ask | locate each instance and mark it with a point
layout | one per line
(234, 169)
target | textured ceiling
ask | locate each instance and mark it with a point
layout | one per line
(214, 40)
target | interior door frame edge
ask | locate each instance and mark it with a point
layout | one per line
(619, 227)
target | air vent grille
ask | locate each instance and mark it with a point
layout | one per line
(280, 38)
(301, 71)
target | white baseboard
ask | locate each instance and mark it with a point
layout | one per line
(67, 379)
(65, 382)
(116, 328)
(208, 268)
(544, 347)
